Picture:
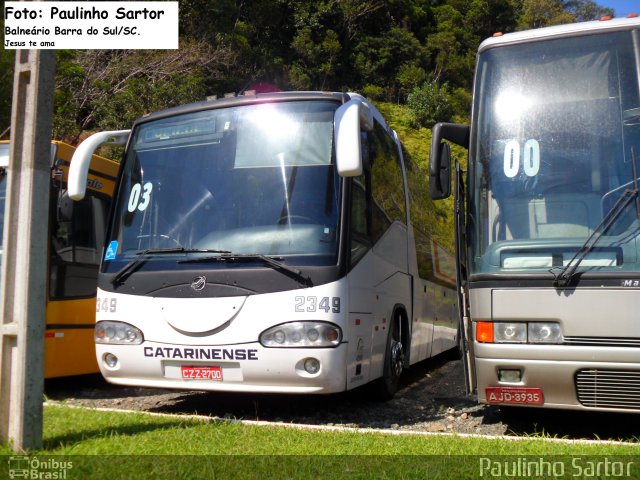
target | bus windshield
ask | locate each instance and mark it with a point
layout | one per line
(555, 145)
(252, 179)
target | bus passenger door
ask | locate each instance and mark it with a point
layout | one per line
(465, 331)
(361, 295)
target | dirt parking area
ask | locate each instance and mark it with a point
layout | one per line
(432, 398)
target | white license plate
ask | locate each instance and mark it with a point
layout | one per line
(202, 373)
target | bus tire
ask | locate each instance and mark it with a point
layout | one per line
(387, 386)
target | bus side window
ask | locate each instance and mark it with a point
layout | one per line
(359, 222)
(386, 182)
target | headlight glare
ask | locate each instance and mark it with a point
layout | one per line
(117, 333)
(302, 334)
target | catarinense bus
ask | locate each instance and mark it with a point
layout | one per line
(264, 243)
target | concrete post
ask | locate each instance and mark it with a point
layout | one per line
(23, 286)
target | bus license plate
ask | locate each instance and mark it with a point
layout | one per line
(515, 396)
(202, 373)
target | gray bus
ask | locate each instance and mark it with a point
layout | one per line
(547, 228)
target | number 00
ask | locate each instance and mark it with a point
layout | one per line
(530, 158)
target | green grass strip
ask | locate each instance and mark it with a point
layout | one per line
(134, 445)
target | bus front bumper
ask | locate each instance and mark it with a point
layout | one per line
(568, 384)
(236, 368)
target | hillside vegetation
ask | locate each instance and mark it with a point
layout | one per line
(413, 58)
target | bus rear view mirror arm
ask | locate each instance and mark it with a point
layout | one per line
(82, 158)
(440, 165)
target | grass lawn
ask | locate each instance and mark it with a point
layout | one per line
(134, 445)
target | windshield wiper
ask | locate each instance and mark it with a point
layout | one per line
(566, 274)
(563, 278)
(270, 261)
(137, 261)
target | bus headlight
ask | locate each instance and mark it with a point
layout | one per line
(509, 332)
(544, 332)
(117, 333)
(302, 334)
(519, 332)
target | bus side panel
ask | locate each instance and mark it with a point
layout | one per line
(421, 328)
(359, 356)
(392, 289)
(445, 317)
(69, 347)
(361, 320)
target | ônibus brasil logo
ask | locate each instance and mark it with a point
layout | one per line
(38, 468)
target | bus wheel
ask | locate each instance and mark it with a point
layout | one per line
(387, 386)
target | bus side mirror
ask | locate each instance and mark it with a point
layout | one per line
(350, 119)
(440, 172)
(81, 160)
(440, 165)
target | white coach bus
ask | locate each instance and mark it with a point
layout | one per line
(263, 243)
(548, 248)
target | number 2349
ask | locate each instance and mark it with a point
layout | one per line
(313, 304)
(106, 304)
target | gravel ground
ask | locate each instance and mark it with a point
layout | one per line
(431, 398)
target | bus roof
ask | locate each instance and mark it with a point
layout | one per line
(246, 99)
(558, 31)
(250, 99)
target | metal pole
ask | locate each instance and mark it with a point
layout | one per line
(23, 286)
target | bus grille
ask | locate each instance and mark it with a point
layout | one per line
(603, 341)
(609, 388)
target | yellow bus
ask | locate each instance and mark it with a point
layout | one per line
(76, 232)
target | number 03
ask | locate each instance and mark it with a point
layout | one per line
(530, 158)
(140, 196)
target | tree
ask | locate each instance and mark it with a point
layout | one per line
(111, 88)
(584, 10)
(543, 13)
(486, 17)
(430, 104)
(378, 58)
(318, 59)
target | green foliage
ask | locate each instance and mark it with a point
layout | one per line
(100, 435)
(373, 92)
(386, 50)
(6, 87)
(417, 54)
(317, 59)
(543, 13)
(409, 77)
(584, 10)
(460, 99)
(430, 104)
(426, 215)
(103, 89)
